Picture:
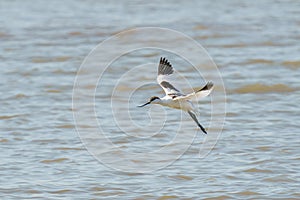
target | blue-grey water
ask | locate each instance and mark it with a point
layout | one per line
(255, 45)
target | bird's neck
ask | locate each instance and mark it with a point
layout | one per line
(158, 101)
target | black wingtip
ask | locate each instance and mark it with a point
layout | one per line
(164, 61)
(208, 86)
(165, 67)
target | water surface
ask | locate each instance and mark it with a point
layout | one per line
(256, 47)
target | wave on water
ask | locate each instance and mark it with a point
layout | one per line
(4, 35)
(48, 59)
(8, 116)
(54, 160)
(295, 64)
(261, 88)
(258, 61)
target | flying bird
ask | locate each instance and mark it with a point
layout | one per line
(174, 98)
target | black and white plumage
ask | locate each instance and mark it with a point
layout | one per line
(174, 97)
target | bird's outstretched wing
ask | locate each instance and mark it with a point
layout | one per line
(197, 95)
(165, 71)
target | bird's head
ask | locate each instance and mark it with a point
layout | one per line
(151, 100)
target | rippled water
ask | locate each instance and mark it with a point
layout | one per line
(256, 47)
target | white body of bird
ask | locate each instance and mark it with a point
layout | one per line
(180, 104)
(174, 98)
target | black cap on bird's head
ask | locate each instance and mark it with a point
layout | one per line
(151, 99)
